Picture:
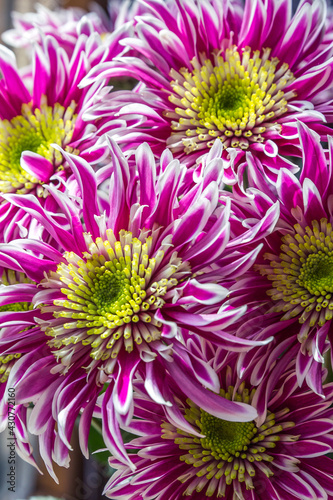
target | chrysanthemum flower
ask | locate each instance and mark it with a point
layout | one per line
(32, 121)
(215, 69)
(200, 456)
(122, 289)
(289, 288)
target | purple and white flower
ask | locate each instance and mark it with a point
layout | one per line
(48, 111)
(217, 69)
(193, 454)
(120, 292)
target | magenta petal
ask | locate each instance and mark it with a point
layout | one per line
(321, 469)
(313, 203)
(204, 373)
(154, 471)
(72, 214)
(147, 172)
(209, 293)
(211, 402)
(122, 394)
(36, 165)
(260, 230)
(111, 432)
(289, 189)
(86, 179)
(19, 93)
(142, 428)
(42, 411)
(308, 448)
(177, 419)
(320, 493)
(31, 205)
(119, 182)
(84, 426)
(163, 482)
(154, 384)
(66, 415)
(314, 428)
(314, 161)
(32, 384)
(296, 486)
(46, 450)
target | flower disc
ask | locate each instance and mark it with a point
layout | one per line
(111, 295)
(236, 99)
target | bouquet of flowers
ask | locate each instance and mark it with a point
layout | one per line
(166, 249)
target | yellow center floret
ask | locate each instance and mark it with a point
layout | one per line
(111, 295)
(237, 98)
(302, 275)
(229, 450)
(34, 130)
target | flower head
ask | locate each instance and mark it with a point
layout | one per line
(290, 285)
(33, 121)
(195, 454)
(224, 71)
(123, 289)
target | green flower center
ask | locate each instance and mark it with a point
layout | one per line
(230, 97)
(112, 294)
(109, 287)
(238, 98)
(229, 450)
(225, 438)
(232, 100)
(34, 130)
(316, 274)
(302, 275)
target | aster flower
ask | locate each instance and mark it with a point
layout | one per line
(121, 290)
(280, 456)
(289, 287)
(215, 69)
(32, 121)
